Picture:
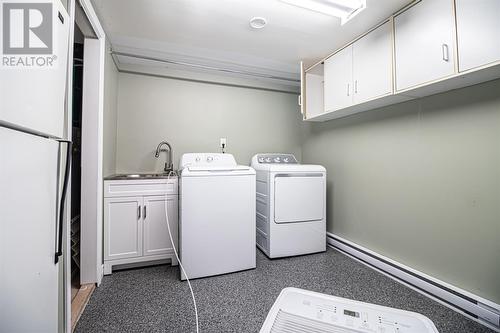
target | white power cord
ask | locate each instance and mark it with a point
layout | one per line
(174, 174)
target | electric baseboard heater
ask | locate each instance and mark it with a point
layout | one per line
(301, 311)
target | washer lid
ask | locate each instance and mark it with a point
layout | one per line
(212, 164)
(218, 168)
(211, 171)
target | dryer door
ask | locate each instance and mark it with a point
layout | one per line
(299, 197)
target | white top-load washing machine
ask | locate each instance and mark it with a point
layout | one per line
(217, 215)
(291, 206)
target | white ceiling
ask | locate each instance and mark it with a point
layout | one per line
(217, 32)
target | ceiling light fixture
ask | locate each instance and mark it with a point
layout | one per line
(258, 22)
(343, 9)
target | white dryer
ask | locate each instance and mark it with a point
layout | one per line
(216, 215)
(290, 202)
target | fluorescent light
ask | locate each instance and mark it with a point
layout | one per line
(343, 9)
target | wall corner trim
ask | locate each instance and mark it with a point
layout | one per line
(472, 306)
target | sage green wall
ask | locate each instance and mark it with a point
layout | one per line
(192, 116)
(419, 182)
(110, 113)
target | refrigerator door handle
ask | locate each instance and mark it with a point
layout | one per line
(63, 200)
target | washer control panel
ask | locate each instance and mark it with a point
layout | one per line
(276, 159)
(207, 159)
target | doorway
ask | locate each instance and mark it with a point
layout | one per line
(76, 172)
(88, 51)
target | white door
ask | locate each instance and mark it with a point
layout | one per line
(424, 42)
(29, 277)
(122, 227)
(338, 80)
(478, 31)
(156, 237)
(372, 64)
(314, 98)
(34, 97)
(299, 198)
(302, 96)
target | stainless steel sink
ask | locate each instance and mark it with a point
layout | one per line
(138, 176)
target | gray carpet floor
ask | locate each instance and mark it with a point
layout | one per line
(153, 299)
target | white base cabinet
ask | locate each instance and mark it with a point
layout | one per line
(122, 228)
(156, 240)
(135, 224)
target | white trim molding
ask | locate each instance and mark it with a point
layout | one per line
(91, 261)
(472, 306)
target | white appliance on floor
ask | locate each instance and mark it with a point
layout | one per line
(34, 169)
(297, 310)
(291, 201)
(217, 215)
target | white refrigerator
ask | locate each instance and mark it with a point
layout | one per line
(34, 170)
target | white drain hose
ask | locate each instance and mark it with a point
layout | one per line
(172, 174)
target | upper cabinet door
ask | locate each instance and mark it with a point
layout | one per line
(338, 80)
(314, 99)
(424, 43)
(302, 96)
(372, 64)
(33, 73)
(478, 31)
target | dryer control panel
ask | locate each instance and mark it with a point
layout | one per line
(276, 159)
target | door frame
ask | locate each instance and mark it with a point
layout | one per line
(91, 263)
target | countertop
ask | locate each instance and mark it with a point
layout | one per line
(139, 176)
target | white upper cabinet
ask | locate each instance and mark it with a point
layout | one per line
(429, 47)
(311, 90)
(360, 72)
(424, 43)
(302, 90)
(478, 31)
(372, 64)
(314, 99)
(338, 80)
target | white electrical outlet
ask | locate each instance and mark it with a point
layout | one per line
(223, 143)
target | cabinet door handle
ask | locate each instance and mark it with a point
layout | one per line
(348, 89)
(144, 212)
(356, 86)
(446, 55)
(299, 100)
(138, 212)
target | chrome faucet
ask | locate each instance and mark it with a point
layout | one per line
(169, 161)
